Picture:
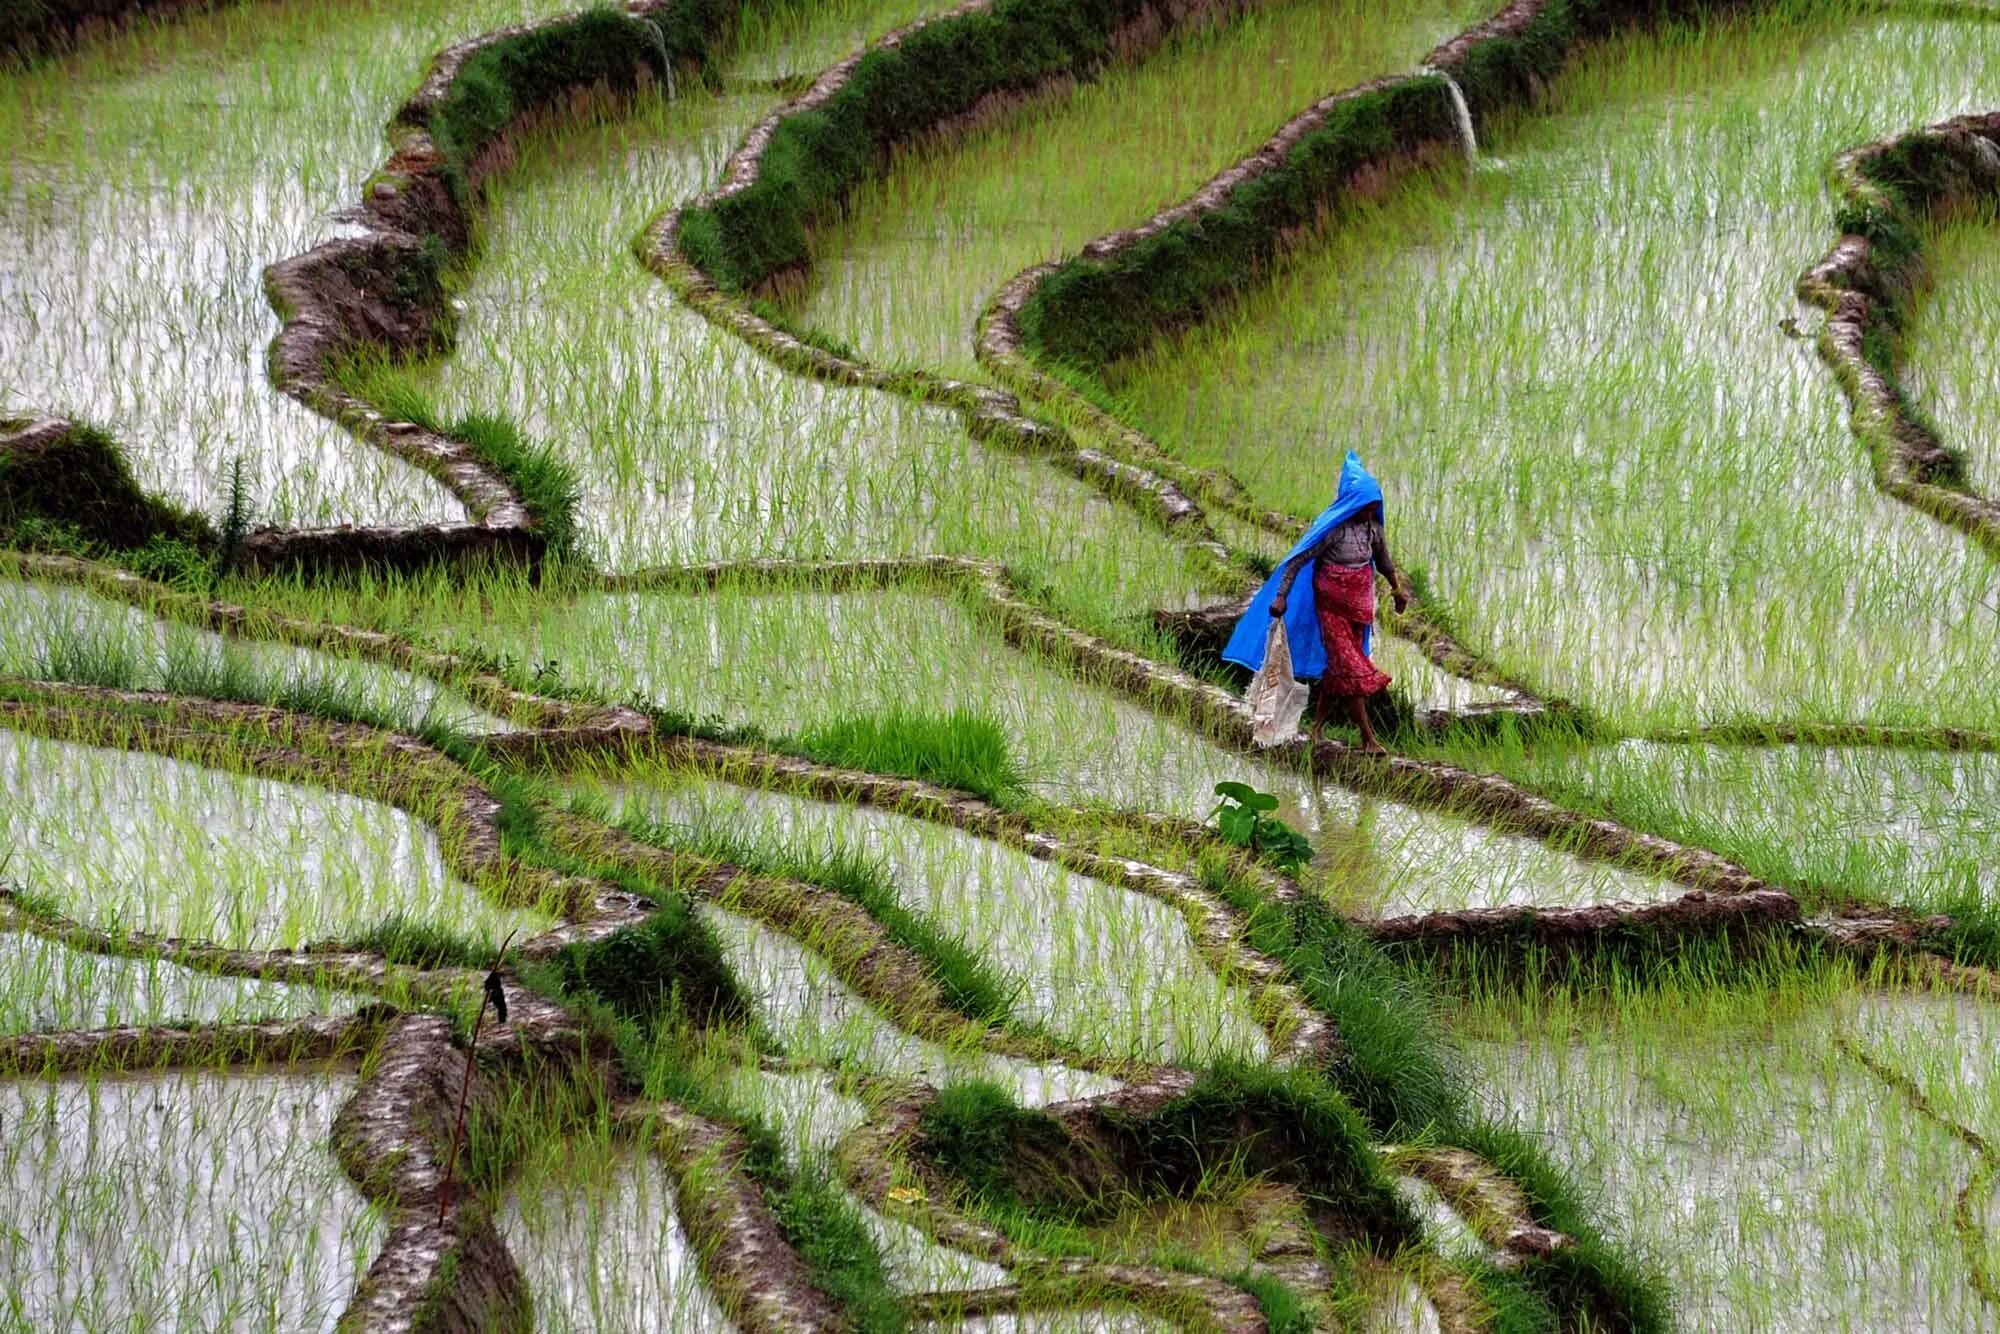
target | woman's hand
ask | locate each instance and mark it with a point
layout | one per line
(1277, 606)
(1402, 593)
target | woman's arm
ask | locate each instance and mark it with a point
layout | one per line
(1385, 565)
(1289, 572)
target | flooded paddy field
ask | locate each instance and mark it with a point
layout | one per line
(150, 178)
(179, 1201)
(698, 791)
(1579, 346)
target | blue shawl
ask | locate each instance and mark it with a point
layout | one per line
(1358, 490)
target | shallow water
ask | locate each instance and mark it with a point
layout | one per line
(856, 654)
(124, 840)
(46, 985)
(1576, 358)
(1377, 858)
(803, 40)
(1056, 1322)
(1444, 1230)
(1732, 1152)
(149, 180)
(54, 633)
(1111, 971)
(915, 1263)
(178, 1202)
(820, 1020)
(596, 1233)
(811, 1117)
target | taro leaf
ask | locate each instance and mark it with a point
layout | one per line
(1261, 801)
(1238, 824)
(1240, 792)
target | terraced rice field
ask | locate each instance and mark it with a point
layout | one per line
(611, 712)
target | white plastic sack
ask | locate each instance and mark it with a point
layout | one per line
(1276, 700)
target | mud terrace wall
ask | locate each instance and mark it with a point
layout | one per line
(29, 27)
(1866, 284)
(382, 292)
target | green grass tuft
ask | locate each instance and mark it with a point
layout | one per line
(415, 943)
(977, 1132)
(961, 749)
(1392, 1064)
(546, 482)
(548, 485)
(76, 493)
(665, 966)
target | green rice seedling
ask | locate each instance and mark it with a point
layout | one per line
(150, 177)
(668, 965)
(403, 939)
(839, 1248)
(702, 1071)
(1624, 479)
(596, 1231)
(1109, 970)
(785, 41)
(915, 254)
(138, 841)
(817, 1019)
(52, 633)
(1392, 1066)
(45, 986)
(1873, 823)
(849, 654)
(191, 1201)
(960, 749)
(547, 484)
(690, 445)
(1941, 365)
(1724, 1122)
(1181, 1194)
(836, 656)
(969, 984)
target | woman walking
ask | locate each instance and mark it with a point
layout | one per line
(1328, 626)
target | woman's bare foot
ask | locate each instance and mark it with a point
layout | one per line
(1357, 709)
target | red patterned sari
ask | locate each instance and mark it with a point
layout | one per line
(1344, 597)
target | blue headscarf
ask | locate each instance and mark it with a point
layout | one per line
(1358, 490)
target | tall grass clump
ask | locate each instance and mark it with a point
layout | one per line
(1398, 1070)
(815, 1214)
(961, 749)
(1392, 1064)
(1022, 1166)
(666, 965)
(78, 492)
(1636, 539)
(895, 94)
(977, 1132)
